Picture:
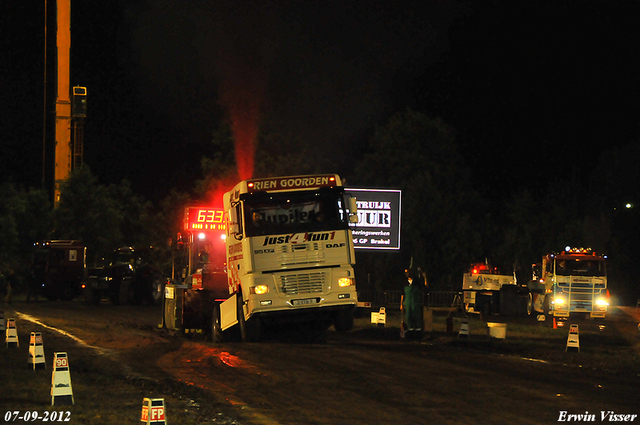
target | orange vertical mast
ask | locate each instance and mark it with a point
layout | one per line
(63, 101)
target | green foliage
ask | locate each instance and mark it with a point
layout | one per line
(25, 218)
(418, 155)
(103, 217)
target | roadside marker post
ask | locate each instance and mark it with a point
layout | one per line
(153, 411)
(11, 334)
(573, 341)
(61, 390)
(36, 352)
(379, 318)
(464, 328)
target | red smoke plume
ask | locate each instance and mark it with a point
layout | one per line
(244, 61)
(243, 108)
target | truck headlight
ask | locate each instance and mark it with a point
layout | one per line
(343, 282)
(602, 302)
(559, 301)
(259, 289)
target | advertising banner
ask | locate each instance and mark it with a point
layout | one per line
(378, 225)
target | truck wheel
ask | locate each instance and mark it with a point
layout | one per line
(546, 308)
(91, 296)
(157, 291)
(486, 308)
(216, 328)
(68, 293)
(126, 294)
(250, 330)
(530, 309)
(509, 299)
(343, 320)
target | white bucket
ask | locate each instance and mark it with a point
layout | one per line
(497, 330)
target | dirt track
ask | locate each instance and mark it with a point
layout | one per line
(367, 376)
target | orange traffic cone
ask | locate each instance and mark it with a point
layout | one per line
(555, 325)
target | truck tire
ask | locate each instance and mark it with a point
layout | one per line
(487, 309)
(530, 310)
(546, 305)
(343, 320)
(509, 300)
(91, 295)
(156, 291)
(217, 335)
(126, 293)
(68, 293)
(250, 330)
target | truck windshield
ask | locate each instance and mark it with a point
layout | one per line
(576, 267)
(294, 212)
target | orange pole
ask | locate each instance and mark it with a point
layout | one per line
(63, 99)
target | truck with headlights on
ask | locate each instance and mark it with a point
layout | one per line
(570, 282)
(289, 260)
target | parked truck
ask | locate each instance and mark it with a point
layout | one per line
(486, 290)
(288, 260)
(127, 276)
(570, 282)
(59, 267)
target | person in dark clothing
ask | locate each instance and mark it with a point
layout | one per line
(411, 304)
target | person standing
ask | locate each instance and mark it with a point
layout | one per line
(411, 304)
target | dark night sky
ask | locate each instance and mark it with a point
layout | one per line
(533, 88)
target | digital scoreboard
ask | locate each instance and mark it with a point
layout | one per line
(204, 219)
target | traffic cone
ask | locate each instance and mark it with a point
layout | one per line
(555, 325)
(12, 334)
(36, 351)
(573, 341)
(153, 411)
(61, 391)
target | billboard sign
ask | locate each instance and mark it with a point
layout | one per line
(378, 225)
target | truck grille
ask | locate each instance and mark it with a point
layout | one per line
(300, 254)
(581, 294)
(302, 283)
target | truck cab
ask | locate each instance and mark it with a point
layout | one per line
(126, 276)
(288, 261)
(59, 267)
(572, 281)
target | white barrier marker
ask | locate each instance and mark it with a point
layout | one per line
(11, 334)
(36, 351)
(573, 341)
(61, 390)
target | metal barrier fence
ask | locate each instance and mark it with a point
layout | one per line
(433, 299)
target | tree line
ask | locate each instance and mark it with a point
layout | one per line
(447, 221)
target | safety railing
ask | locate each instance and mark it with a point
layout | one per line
(392, 298)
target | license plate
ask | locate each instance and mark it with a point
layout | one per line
(305, 301)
